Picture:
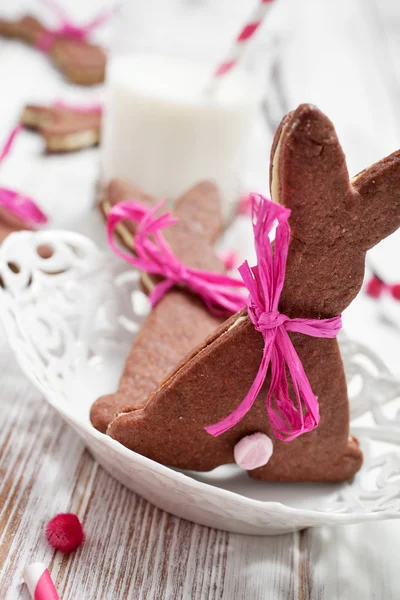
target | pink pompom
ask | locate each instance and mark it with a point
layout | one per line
(65, 532)
(253, 451)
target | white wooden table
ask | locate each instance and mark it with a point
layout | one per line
(343, 56)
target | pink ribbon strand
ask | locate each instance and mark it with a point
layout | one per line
(265, 283)
(9, 142)
(67, 29)
(155, 256)
(20, 205)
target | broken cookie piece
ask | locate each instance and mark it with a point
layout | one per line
(63, 129)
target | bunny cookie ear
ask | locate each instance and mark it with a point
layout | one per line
(333, 221)
(378, 189)
(119, 190)
(306, 143)
(309, 176)
(200, 211)
(199, 224)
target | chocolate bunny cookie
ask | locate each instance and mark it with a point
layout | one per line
(334, 221)
(180, 320)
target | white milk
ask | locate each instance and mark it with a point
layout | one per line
(162, 132)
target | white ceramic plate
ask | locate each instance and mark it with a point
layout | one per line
(70, 320)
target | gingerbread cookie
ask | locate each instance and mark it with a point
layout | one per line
(333, 222)
(180, 320)
(80, 61)
(64, 129)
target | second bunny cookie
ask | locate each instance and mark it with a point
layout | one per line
(180, 321)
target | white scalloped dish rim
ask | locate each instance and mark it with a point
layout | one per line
(43, 307)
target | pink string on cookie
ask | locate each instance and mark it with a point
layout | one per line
(155, 256)
(265, 283)
(67, 29)
(18, 204)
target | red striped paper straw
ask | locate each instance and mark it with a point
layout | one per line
(39, 582)
(243, 39)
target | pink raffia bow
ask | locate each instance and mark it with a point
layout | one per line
(155, 256)
(18, 204)
(67, 29)
(265, 283)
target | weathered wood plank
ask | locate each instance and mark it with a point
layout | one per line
(356, 561)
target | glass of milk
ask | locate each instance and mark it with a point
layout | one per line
(165, 127)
